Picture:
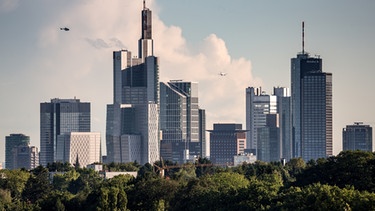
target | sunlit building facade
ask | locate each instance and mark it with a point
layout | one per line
(132, 129)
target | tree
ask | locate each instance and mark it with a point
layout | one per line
(38, 186)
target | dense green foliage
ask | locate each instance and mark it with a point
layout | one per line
(342, 182)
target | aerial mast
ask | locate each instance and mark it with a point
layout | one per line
(303, 37)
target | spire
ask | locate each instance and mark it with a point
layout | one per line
(303, 37)
(144, 4)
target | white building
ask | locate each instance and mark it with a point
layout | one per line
(83, 147)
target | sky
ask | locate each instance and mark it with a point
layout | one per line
(252, 41)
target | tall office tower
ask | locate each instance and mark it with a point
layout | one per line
(179, 121)
(81, 147)
(226, 141)
(132, 130)
(357, 137)
(25, 156)
(284, 110)
(202, 132)
(311, 106)
(12, 141)
(58, 117)
(258, 105)
(269, 140)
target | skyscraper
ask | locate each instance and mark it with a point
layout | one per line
(58, 117)
(311, 107)
(13, 141)
(132, 130)
(357, 137)
(180, 121)
(258, 105)
(284, 110)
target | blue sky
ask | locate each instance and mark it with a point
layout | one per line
(252, 41)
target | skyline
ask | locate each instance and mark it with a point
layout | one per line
(248, 38)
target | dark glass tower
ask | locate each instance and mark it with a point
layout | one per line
(311, 90)
(12, 142)
(58, 117)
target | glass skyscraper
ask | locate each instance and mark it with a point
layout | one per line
(132, 130)
(180, 117)
(258, 105)
(311, 107)
(58, 117)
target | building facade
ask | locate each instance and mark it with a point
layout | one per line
(357, 137)
(311, 90)
(13, 141)
(226, 141)
(180, 122)
(58, 117)
(258, 105)
(25, 156)
(284, 110)
(132, 129)
(81, 148)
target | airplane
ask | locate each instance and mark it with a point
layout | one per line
(65, 29)
(222, 74)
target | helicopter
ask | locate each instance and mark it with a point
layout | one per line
(65, 29)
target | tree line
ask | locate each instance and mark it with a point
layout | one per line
(342, 182)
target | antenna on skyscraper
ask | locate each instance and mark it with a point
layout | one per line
(144, 4)
(303, 37)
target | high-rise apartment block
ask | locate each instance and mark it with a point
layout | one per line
(11, 142)
(357, 137)
(180, 122)
(132, 130)
(311, 107)
(82, 148)
(58, 117)
(226, 141)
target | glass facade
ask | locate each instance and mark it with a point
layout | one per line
(134, 114)
(357, 137)
(11, 142)
(311, 90)
(58, 117)
(180, 121)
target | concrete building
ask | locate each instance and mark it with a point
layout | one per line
(311, 90)
(12, 141)
(132, 130)
(226, 141)
(58, 117)
(357, 137)
(81, 147)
